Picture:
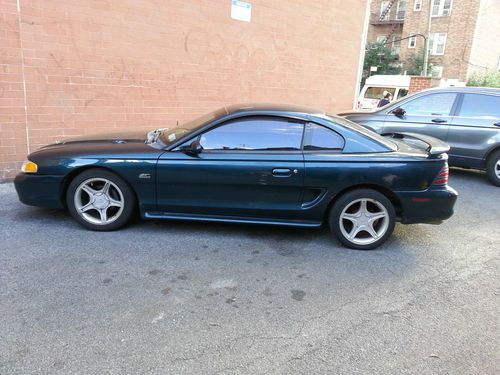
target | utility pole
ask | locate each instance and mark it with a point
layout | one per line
(427, 41)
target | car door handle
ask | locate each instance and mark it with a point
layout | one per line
(282, 172)
(438, 120)
(497, 123)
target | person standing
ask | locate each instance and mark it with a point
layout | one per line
(385, 100)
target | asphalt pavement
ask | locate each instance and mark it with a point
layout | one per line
(161, 297)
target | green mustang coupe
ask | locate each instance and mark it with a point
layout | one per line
(261, 164)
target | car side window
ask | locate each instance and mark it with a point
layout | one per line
(431, 105)
(378, 92)
(255, 133)
(482, 106)
(318, 137)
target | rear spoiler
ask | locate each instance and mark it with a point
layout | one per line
(435, 146)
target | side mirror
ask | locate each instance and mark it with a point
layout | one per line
(399, 112)
(194, 149)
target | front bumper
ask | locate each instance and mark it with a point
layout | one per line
(40, 190)
(429, 206)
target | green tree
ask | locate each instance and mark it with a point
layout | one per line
(379, 55)
(487, 78)
(414, 64)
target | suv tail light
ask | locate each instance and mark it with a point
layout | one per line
(442, 177)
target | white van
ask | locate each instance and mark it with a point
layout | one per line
(374, 88)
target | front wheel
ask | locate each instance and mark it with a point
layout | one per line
(493, 168)
(100, 200)
(362, 219)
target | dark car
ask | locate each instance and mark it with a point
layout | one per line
(261, 164)
(466, 118)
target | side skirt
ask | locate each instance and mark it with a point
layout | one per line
(230, 219)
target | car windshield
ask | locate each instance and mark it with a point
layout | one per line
(169, 136)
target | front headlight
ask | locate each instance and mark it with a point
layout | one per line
(29, 167)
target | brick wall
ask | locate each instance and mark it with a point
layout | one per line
(459, 27)
(13, 142)
(420, 83)
(102, 65)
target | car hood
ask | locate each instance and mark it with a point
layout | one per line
(117, 138)
(120, 145)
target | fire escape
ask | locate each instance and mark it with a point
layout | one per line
(385, 19)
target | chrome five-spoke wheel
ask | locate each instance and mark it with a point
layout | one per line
(362, 219)
(99, 201)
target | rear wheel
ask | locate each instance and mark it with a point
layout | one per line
(493, 168)
(100, 200)
(362, 219)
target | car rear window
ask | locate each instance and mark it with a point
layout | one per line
(364, 131)
(318, 137)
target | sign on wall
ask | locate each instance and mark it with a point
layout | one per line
(241, 10)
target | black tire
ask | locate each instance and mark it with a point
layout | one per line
(351, 204)
(86, 208)
(493, 168)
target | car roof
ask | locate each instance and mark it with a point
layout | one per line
(305, 113)
(272, 107)
(471, 90)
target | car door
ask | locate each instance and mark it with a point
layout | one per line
(251, 166)
(322, 155)
(474, 130)
(428, 114)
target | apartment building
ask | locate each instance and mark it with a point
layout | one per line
(463, 34)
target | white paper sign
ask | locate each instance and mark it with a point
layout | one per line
(241, 10)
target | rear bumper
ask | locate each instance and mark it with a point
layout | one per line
(39, 190)
(429, 206)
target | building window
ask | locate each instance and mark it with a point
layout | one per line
(381, 38)
(412, 41)
(437, 71)
(396, 44)
(383, 7)
(401, 10)
(418, 6)
(441, 8)
(437, 43)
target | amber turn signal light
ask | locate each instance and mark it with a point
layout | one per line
(29, 167)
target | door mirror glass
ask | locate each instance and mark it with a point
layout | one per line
(399, 112)
(193, 149)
